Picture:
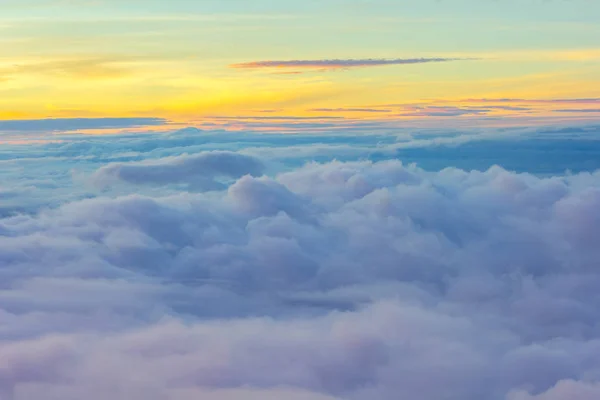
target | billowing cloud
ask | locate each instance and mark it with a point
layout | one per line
(564, 390)
(335, 280)
(200, 171)
(339, 64)
(331, 281)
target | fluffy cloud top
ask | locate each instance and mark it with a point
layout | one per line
(336, 280)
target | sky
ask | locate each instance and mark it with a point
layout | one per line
(379, 60)
(307, 200)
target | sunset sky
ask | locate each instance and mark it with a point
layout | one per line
(190, 61)
(299, 199)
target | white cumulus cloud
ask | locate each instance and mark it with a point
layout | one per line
(338, 280)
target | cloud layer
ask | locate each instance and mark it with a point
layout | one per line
(336, 280)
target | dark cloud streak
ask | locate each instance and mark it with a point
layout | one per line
(340, 64)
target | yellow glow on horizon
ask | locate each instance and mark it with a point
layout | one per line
(180, 89)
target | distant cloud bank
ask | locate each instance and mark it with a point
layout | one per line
(72, 124)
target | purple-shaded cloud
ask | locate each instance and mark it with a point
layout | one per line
(340, 64)
(329, 281)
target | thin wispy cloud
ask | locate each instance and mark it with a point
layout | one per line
(341, 110)
(503, 108)
(579, 110)
(340, 64)
(78, 68)
(534, 101)
(270, 117)
(488, 106)
(288, 73)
